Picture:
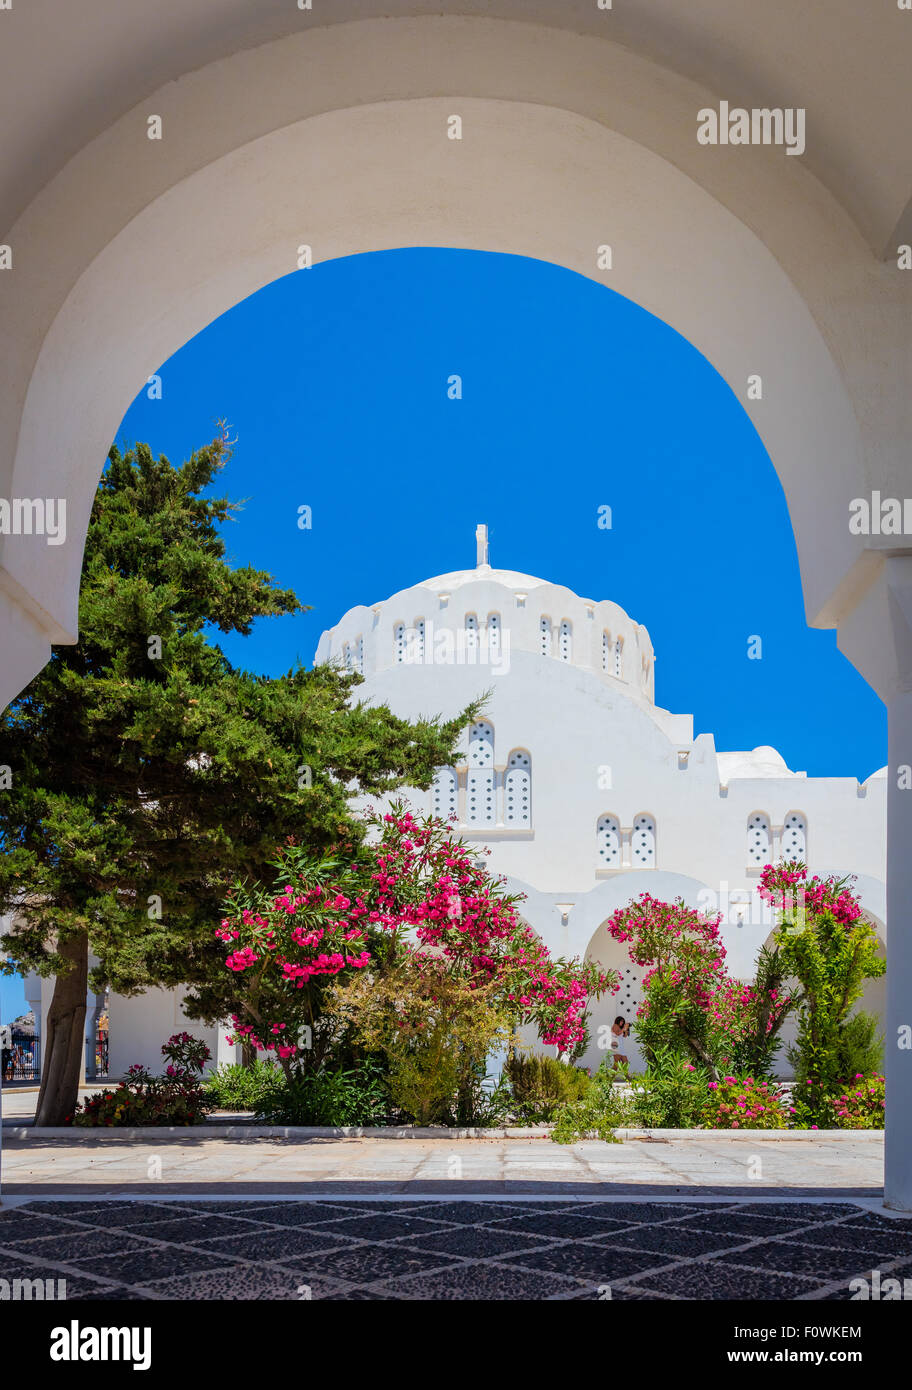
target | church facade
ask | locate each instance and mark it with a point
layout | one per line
(583, 792)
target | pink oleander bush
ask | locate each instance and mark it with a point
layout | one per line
(414, 903)
(690, 1003)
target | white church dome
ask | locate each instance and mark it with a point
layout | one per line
(483, 614)
(511, 579)
(763, 761)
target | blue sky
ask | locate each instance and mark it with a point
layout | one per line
(334, 381)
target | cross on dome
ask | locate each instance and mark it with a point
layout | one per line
(481, 545)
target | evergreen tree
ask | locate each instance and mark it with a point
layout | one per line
(147, 771)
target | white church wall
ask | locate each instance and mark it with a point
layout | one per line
(139, 1025)
(587, 745)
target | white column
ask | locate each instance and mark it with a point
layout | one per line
(876, 636)
(898, 1040)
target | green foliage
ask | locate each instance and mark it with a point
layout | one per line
(753, 1043)
(436, 1030)
(359, 1096)
(831, 957)
(539, 1085)
(235, 1087)
(859, 1047)
(672, 1095)
(148, 772)
(601, 1109)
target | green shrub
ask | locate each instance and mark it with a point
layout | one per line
(540, 1085)
(235, 1087)
(672, 1095)
(359, 1096)
(859, 1049)
(435, 1029)
(602, 1108)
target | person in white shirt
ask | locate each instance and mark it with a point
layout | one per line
(620, 1028)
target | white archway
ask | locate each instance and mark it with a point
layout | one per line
(714, 282)
(609, 954)
(570, 142)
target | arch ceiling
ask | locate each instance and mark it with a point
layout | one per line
(101, 57)
(280, 128)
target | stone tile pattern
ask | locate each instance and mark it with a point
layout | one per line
(443, 1250)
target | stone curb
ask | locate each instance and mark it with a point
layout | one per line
(23, 1133)
(18, 1134)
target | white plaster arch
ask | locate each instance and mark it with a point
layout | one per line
(181, 261)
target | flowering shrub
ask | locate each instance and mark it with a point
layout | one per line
(690, 1002)
(415, 898)
(787, 887)
(175, 1098)
(743, 1104)
(826, 944)
(857, 1104)
(861, 1105)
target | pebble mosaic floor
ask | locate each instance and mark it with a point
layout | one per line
(434, 1249)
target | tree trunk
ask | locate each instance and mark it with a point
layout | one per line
(64, 1047)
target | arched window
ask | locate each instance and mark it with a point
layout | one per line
(565, 641)
(619, 657)
(494, 635)
(544, 628)
(643, 842)
(608, 839)
(347, 655)
(359, 658)
(759, 842)
(444, 793)
(518, 790)
(399, 641)
(794, 836)
(606, 651)
(471, 631)
(480, 779)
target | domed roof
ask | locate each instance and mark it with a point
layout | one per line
(759, 762)
(512, 579)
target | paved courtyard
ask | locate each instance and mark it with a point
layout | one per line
(209, 1166)
(441, 1250)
